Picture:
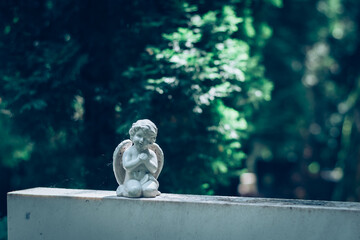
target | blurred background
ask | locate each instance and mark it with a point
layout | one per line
(251, 97)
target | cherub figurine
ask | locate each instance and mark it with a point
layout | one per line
(138, 162)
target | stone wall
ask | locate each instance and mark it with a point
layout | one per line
(50, 213)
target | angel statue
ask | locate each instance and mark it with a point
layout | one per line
(138, 162)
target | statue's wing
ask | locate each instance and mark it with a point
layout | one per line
(118, 168)
(160, 157)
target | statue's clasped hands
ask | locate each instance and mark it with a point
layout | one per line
(143, 156)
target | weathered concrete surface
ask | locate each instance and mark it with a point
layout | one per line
(49, 213)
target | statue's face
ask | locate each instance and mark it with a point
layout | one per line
(141, 140)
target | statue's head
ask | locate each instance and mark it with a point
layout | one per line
(147, 126)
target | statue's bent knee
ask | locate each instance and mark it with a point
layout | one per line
(133, 188)
(150, 190)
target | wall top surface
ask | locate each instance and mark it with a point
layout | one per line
(182, 198)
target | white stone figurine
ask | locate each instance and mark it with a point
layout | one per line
(138, 162)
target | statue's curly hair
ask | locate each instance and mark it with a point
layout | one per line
(147, 126)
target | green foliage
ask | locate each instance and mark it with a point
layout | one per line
(317, 92)
(219, 80)
(3, 228)
(15, 149)
(276, 3)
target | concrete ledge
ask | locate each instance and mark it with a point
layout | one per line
(50, 213)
